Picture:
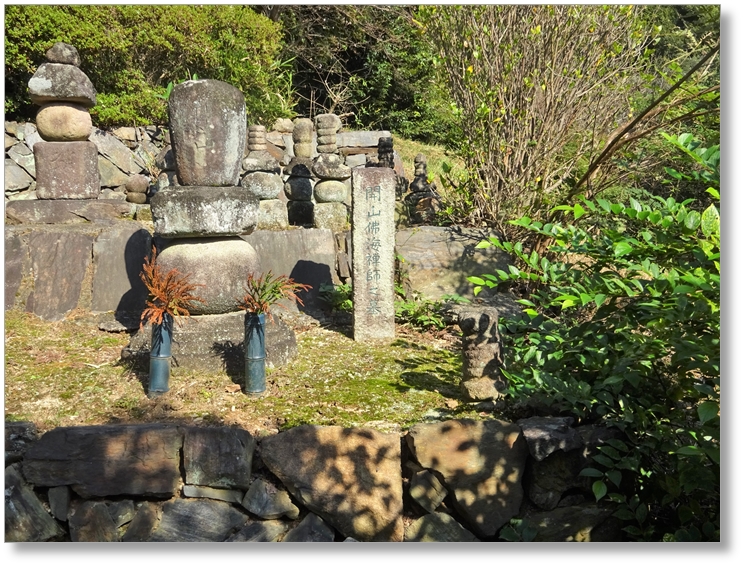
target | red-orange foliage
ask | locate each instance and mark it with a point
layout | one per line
(170, 293)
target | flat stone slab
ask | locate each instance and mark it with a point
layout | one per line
(100, 461)
(68, 211)
(311, 529)
(218, 457)
(349, 476)
(198, 211)
(197, 520)
(216, 343)
(229, 495)
(260, 531)
(269, 502)
(482, 463)
(361, 139)
(90, 521)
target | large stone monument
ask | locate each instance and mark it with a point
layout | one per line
(373, 255)
(66, 162)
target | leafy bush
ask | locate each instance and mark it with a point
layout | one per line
(624, 328)
(132, 52)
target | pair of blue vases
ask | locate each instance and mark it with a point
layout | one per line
(255, 355)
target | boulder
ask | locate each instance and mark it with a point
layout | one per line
(218, 457)
(438, 527)
(67, 170)
(350, 477)
(63, 53)
(311, 529)
(197, 520)
(137, 184)
(100, 461)
(331, 191)
(481, 462)
(58, 82)
(208, 132)
(268, 502)
(21, 434)
(63, 121)
(545, 435)
(220, 266)
(262, 185)
(195, 212)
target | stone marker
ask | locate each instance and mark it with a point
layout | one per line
(373, 243)
(67, 170)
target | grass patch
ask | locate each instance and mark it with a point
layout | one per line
(435, 156)
(69, 373)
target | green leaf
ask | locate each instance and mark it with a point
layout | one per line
(714, 193)
(710, 221)
(483, 244)
(476, 280)
(591, 473)
(578, 211)
(599, 489)
(615, 477)
(689, 451)
(616, 208)
(708, 410)
(692, 221)
(622, 248)
(599, 299)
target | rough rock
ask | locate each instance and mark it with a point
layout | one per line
(166, 160)
(68, 211)
(16, 254)
(261, 161)
(136, 198)
(260, 531)
(10, 141)
(283, 125)
(90, 521)
(272, 215)
(331, 191)
(548, 479)
(438, 527)
(59, 501)
(331, 166)
(545, 435)
(361, 139)
(220, 265)
(482, 463)
(208, 132)
(302, 131)
(262, 185)
(194, 212)
(299, 188)
(350, 477)
(331, 215)
(218, 457)
(118, 255)
(21, 434)
(100, 461)
(63, 53)
(427, 490)
(482, 388)
(300, 213)
(137, 184)
(113, 149)
(62, 121)
(311, 529)
(197, 520)
(268, 502)
(57, 82)
(26, 520)
(327, 121)
(59, 261)
(16, 178)
(31, 136)
(299, 167)
(24, 157)
(303, 149)
(144, 521)
(121, 512)
(110, 174)
(229, 495)
(568, 524)
(67, 170)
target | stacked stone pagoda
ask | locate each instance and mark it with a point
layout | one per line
(66, 162)
(423, 201)
(300, 182)
(203, 217)
(331, 191)
(386, 158)
(263, 180)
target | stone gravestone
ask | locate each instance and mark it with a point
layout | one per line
(373, 255)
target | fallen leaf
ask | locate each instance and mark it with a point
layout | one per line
(232, 388)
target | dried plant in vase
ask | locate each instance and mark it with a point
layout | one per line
(261, 293)
(171, 296)
(170, 293)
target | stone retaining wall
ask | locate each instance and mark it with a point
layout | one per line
(456, 480)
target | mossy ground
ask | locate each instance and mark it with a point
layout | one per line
(69, 373)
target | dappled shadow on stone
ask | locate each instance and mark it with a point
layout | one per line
(349, 477)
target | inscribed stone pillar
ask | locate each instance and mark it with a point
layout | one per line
(373, 255)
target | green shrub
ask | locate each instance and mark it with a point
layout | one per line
(624, 328)
(132, 52)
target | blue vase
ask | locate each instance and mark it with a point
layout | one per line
(255, 354)
(160, 356)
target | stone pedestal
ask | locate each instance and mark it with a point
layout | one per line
(66, 170)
